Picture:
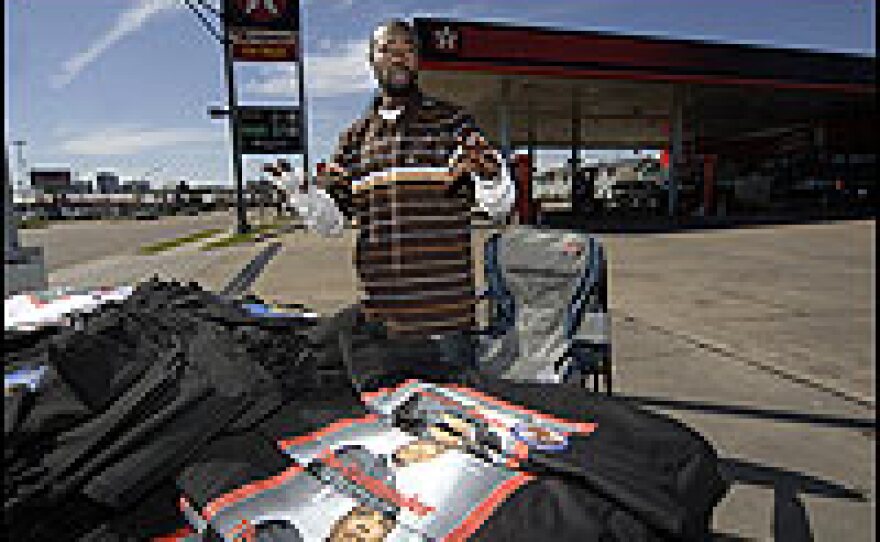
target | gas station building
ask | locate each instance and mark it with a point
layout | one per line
(715, 110)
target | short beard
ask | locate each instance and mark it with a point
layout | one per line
(398, 91)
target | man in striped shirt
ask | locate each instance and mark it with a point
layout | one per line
(409, 171)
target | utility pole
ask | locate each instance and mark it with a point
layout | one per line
(675, 155)
(232, 101)
(10, 246)
(19, 144)
(304, 119)
(148, 175)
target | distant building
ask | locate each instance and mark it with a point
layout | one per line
(81, 187)
(108, 183)
(51, 180)
(136, 187)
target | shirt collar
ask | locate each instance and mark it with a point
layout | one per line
(390, 114)
(414, 99)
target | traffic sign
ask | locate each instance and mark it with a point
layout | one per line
(251, 45)
(263, 14)
(270, 130)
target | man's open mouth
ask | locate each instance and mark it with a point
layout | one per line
(399, 76)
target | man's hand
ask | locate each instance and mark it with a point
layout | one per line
(476, 157)
(332, 175)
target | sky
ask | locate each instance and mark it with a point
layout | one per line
(125, 85)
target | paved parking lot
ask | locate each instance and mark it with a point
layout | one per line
(800, 297)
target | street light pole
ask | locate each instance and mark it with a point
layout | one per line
(10, 246)
(150, 172)
(241, 211)
(20, 178)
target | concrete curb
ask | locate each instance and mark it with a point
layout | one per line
(184, 246)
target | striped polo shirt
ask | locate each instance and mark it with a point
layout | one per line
(413, 253)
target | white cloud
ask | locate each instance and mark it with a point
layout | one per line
(342, 71)
(128, 22)
(127, 140)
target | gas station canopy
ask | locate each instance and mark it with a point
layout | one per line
(550, 88)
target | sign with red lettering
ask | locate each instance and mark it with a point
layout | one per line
(263, 14)
(264, 45)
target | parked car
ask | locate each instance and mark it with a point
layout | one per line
(814, 193)
(631, 195)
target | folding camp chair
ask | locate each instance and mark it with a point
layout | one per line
(548, 308)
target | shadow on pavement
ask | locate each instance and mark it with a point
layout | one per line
(248, 275)
(840, 422)
(790, 519)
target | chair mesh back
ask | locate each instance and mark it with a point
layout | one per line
(551, 291)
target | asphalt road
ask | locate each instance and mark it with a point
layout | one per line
(70, 243)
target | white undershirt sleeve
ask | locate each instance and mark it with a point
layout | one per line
(495, 196)
(319, 211)
(316, 208)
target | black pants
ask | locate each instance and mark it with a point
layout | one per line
(369, 353)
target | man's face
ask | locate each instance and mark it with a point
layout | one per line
(362, 524)
(394, 59)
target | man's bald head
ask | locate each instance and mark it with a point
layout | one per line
(394, 56)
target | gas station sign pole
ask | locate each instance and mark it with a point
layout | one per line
(240, 207)
(263, 31)
(304, 124)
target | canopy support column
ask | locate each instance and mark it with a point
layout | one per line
(504, 118)
(530, 207)
(675, 146)
(576, 142)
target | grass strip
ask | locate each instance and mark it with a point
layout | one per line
(34, 224)
(179, 241)
(239, 238)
